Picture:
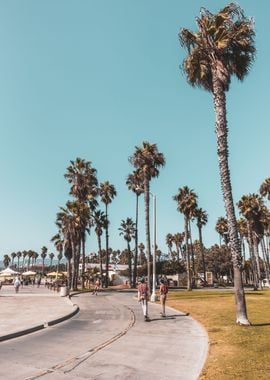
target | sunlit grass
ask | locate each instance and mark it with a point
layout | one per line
(235, 352)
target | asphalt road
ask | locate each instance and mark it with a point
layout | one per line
(109, 339)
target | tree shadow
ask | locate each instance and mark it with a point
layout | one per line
(259, 324)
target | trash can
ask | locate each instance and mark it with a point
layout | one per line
(63, 291)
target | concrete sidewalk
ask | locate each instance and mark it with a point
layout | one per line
(31, 309)
(107, 340)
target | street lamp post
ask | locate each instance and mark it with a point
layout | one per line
(153, 295)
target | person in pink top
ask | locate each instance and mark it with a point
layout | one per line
(143, 298)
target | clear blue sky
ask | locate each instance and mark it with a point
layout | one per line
(92, 79)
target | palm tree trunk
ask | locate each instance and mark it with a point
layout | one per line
(147, 229)
(265, 261)
(187, 256)
(83, 258)
(100, 255)
(107, 250)
(136, 244)
(129, 264)
(222, 151)
(252, 256)
(257, 260)
(192, 257)
(202, 253)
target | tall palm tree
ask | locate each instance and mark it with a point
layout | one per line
(30, 255)
(186, 204)
(169, 242)
(13, 255)
(19, 254)
(107, 192)
(135, 183)
(201, 220)
(223, 46)
(128, 231)
(178, 239)
(84, 187)
(100, 222)
(43, 255)
(59, 245)
(51, 256)
(6, 260)
(148, 160)
(24, 254)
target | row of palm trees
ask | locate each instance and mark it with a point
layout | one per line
(75, 220)
(253, 228)
(26, 259)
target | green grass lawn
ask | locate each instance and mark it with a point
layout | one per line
(235, 352)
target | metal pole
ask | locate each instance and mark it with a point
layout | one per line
(153, 296)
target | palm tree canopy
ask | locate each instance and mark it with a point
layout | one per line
(127, 229)
(186, 200)
(147, 159)
(222, 226)
(82, 177)
(134, 182)
(250, 206)
(107, 192)
(100, 222)
(224, 42)
(265, 188)
(201, 217)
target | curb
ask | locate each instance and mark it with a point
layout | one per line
(41, 326)
(22, 332)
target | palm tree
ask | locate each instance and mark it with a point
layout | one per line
(135, 183)
(100, 222)
(13, 255)
(107, 192)
(178, 239)
(6, 260)
(43, 255)
(169, 241)
(24, 254)
(222, 229)
(222, 47)
(265, 188)
(201, 220)
(51, 256)
(148, 160)
(84, 187)
(186, 204)
(59, 245)
(142, 257)
(128, 231)
(19, 254)
(250, 207)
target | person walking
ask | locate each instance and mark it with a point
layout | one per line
(17, 284)
(143, 297)
(163, 291)
(97, 286)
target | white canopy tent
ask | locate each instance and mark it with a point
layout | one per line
(8, 272)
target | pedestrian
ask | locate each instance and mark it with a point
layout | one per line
(163, 291)
(143, 297)
(97, 286)
(17, 284)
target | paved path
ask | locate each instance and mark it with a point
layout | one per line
(31, 308)
(107, 339)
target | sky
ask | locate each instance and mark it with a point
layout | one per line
(94, 79)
